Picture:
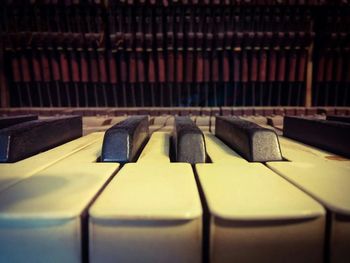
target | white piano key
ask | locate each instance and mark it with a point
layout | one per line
(150, 212)
(170, 121)
(161, 120)
(203, 121)
(243, 215)
(162, 123)
(329, 184)
(100, 124)
(166, 129)
(219, 152)
(296, 151)
(257, 216)
(97, 121)
(118, 119)
(212, 124)
(277, 131)
(90, 154)
(260, 120)
(145, 204)
(11, 173)
(94, 129)
(156, 149)
(41, 217)
(276, 122)
(204, 129)
(155, 128)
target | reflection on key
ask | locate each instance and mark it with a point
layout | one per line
(14, 172)
(329, 185)
(44, 215)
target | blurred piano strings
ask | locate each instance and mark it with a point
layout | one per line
(87, 54)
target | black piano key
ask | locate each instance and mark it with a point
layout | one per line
(123, 141)
(26, 139)
(188, 141)
(254, 143)
(332, 136)
(338, 118)
(13, 120)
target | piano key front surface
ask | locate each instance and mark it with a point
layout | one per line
(151, 210)
(252, 209)
(42, 216)
(148, 213)
(328, 184)
(153, 205)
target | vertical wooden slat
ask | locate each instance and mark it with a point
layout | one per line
(308, 95)
(4, 89)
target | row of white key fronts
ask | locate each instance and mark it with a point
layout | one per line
(52, 208)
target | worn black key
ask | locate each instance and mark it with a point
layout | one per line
(13, 120)
(26, 139)
(188, 141)
(338, 118)
(123, 141)
(253, 142)
(332, 136)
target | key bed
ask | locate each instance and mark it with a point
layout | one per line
(76, 208)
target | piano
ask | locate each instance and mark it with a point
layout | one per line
(174, 131)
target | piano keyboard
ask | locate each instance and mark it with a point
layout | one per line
(65, 205)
